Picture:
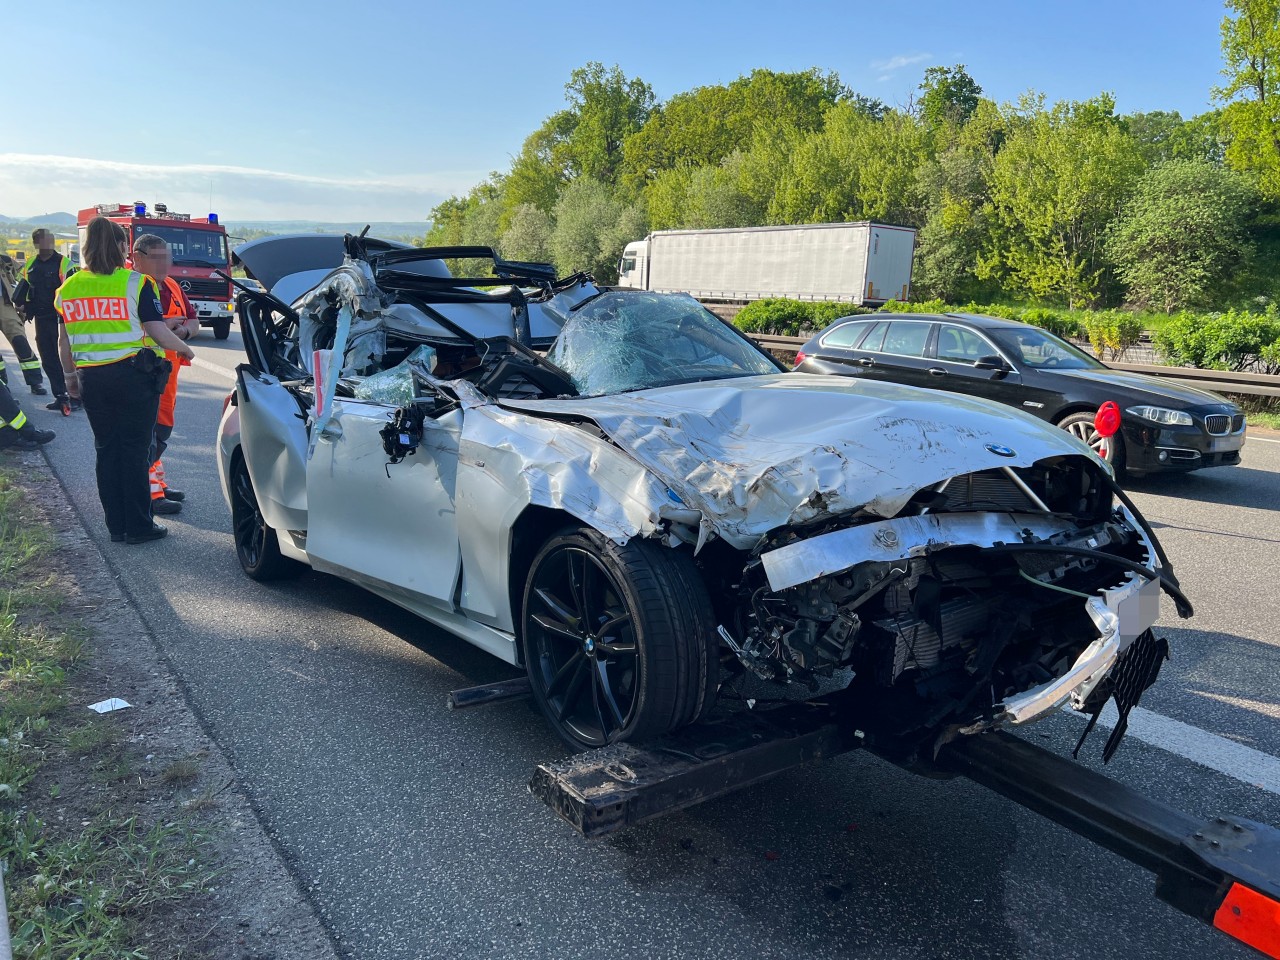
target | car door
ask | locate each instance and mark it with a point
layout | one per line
(391, 527)
(900, 356)
(837, 349)
(957, 350)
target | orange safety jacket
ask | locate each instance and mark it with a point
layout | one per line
(169, 399)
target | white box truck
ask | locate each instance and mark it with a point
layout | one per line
(850, 262)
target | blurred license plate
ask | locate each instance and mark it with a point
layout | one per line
(1139, 610)
(1219, 444)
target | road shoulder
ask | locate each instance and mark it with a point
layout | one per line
(252, 906)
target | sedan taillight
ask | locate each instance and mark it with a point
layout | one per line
(799, 357)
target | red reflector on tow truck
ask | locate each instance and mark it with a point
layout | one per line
(1251, 918)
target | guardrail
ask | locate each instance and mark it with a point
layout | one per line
(1221, 381)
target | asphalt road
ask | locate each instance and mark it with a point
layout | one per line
(412, 830)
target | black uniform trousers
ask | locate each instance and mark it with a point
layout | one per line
(47, 343)
(121, 401)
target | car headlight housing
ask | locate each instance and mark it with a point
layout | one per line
(1171, 418)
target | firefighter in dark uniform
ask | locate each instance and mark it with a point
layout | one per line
(14, 331)
(39, 280)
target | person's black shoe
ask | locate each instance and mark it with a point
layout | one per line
(38, 390)
(75, 404)
(172, 494)
(117, 538)
(155, 533)
(164, 507)
(58, 403)
(38, 437)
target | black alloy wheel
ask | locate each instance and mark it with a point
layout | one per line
(256, 546)
(618, 640)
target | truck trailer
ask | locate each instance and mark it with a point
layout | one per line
(860, 263)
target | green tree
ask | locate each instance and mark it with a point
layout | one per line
(1182, 234)
(1251, 116)
(957, 224)
(855, 168)
(586, 231)
(705, 125)
(1057, 181)
(948, 95)
(543, 167)
(528, 234)
(1164, 135)
(607, 107)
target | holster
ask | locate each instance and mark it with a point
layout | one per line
(156, 367)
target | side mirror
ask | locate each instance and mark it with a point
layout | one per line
(992, 363)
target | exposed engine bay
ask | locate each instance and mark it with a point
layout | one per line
(968, 611)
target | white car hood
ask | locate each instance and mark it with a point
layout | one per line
(756, 453)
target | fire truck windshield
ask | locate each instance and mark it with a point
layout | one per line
(194, 248)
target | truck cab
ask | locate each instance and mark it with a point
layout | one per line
(199, 249)
(633, 268)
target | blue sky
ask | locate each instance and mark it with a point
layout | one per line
(330, 111)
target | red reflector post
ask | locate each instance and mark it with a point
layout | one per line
(1107, 420)
(1251, 918)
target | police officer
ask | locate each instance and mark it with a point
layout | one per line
(38, 281)
(113, 322)
(14, 331)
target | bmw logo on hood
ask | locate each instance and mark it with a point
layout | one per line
(1000, 450)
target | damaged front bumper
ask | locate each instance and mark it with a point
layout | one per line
(1120, 614)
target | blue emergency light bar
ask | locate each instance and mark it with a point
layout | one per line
(213, 218)
(139, 209)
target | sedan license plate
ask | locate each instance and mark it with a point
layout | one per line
(1221, 444)
(1138, 611)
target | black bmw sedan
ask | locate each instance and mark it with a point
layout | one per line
(1165, 425)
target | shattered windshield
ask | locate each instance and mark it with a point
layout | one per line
(631, 341)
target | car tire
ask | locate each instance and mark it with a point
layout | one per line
(642, 661)
(221, 329)
(1080, 426)
(257, 546)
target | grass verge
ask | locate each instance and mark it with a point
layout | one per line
(84, 871)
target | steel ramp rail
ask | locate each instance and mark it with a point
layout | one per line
(1224, 872)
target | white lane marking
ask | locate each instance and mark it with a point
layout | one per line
(213, 368)
(1263, 440)
(1199, 746)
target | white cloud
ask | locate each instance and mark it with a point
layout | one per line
(887, 68)
(36, 183)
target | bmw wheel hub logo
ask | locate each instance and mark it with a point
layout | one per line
(1000, 450)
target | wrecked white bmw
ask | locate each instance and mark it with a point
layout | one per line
(624, 496)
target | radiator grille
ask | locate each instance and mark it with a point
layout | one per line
(1218, 424)
(198, 288)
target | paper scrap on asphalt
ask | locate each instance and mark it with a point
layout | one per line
(107, 706)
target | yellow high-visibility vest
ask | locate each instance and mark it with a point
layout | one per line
(101, 315)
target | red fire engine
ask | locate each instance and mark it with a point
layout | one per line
(199, 247)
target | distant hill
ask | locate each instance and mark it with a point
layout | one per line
(59, 219)
(383, 228)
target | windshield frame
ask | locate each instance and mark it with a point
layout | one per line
(1006, 339)
(165, 232)
(752, 361)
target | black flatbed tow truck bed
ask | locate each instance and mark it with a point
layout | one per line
(1224, 872)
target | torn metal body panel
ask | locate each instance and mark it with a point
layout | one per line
(563, 475)
(763, 452)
